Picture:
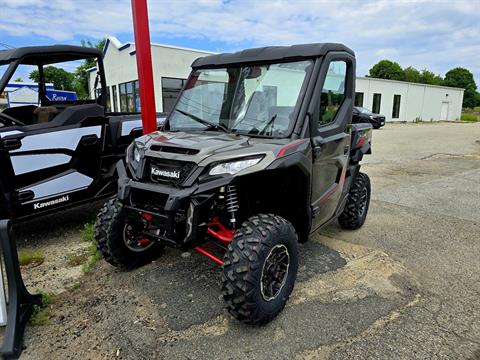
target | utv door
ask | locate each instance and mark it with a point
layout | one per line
(330, 131)
(46, 166)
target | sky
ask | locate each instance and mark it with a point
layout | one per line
(437, 35)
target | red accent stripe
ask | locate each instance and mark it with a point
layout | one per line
(289, 146)
(209, 255)
(361, 141)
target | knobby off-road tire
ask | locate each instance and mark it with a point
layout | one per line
(262, 243)
(356, 209)
(110, 239)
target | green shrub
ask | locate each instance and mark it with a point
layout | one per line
(470, 117)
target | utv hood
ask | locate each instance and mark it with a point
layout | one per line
(206, 147)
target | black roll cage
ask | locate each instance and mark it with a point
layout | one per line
(305, 113)
(101, 100)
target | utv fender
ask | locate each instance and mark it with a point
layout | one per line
(361, 142)
(298, 159)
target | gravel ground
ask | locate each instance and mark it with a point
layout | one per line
(405, 286)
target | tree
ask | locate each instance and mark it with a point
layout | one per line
(19, 79)
(60, 78)
(477, 99)
(412, 74)
(386, 69)
(81, 73)
(428, 77)
(463, 78)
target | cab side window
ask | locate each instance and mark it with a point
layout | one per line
(333, 92)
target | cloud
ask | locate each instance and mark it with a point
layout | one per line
(425, 34)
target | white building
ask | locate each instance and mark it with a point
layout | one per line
(397, 100)
(171, 66)
(404, 101)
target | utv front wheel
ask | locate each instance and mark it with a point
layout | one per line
(356, 209)
(260, 269)
(121, 241)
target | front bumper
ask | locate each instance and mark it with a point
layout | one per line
(180, 214)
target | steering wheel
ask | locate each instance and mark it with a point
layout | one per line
(11, 120)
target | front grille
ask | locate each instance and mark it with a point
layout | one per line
(148, 200)
(168, 172)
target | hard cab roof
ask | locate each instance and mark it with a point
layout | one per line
(270, 54)
(35, 55)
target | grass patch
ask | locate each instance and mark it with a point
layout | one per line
(470, 117)
(75, 286)
(75, 259)
(93, 255)
(41, 314)
(30, 257)
(88, 232)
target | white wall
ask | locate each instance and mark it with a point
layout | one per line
(417, 100)
(167, 61)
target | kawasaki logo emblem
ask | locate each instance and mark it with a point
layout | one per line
(40, 205)
(173, 174)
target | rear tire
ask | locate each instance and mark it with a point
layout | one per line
(356, 209)
(111, 235)
(260, 269)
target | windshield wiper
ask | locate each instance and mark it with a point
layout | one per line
(210, 126)
(270, 122)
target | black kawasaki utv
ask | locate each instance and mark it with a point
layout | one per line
(56, 152)
(258, 153)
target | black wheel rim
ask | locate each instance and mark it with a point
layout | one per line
(134, 239)
(363, 202)
(274, 272)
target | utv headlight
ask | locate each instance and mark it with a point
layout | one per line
(135, 154)
(233, 167)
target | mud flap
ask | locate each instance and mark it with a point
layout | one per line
(20, 302)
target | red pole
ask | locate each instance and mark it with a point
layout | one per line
(144, 65)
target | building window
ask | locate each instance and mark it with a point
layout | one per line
(136, 86)
(122, 89)
(114, 94)
(333, 92)
(396, 107)
(129, 96)
(171, 87)
(109, 103)
(377, 99)
(359, 99)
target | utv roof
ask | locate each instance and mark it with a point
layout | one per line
(35, 55)
(271, 53)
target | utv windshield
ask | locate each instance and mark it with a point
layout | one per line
(3, 69)
(252, 100)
